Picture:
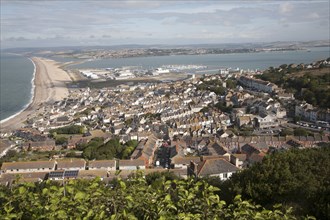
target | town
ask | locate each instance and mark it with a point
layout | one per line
(103, 53)
(203, 125)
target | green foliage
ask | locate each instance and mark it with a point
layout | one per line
(205, 110)
(286, 132)
(300, 132)
(11, 155)
(72, 154)
(156, 179)
(313, 89)
(246, 131)
(129, 122)
(231, 83)
(273, 75)
(98, 150)
(213, 86)
(89, 149)
(71, 129)
(132, 199)
(60, 140)
(151, 116)
(295, 178)
(129, 147)
(222, 107)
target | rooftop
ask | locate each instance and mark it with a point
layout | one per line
(27, 165)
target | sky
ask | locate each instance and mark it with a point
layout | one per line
(42, 23)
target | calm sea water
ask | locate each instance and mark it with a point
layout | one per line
(253, 61)
(17, 71)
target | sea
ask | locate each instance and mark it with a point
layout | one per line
(17, 72)
(252, 61)
(16, 84)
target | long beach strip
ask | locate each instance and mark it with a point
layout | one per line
(49, 86)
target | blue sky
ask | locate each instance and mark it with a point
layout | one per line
(87, 22)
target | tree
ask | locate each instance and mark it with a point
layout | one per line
(309, 96)
(11, 153)
(286, 132)
(231, 84)
(98, 150)
(61, 140)
(129, 122)
(296, 178)
(300, 132)
(129, 147)
(90, 148)
(221, 106)
(71, 129)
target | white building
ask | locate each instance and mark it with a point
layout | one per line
(258, 84)
(31, 166)
(266, 122)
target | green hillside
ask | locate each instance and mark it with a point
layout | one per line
(295, 178)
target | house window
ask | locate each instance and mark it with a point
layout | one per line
(225, 175)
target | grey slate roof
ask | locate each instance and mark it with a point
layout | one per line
(27, 165)
(67, 164)
(131, 163)
(102, 163)
(249, 149)
(216, 149)
(216, 166)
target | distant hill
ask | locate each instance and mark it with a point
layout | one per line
(278, 44)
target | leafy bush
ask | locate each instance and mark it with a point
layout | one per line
(61, 140)
(132, 199)
(71, 129)
(96, 149)
(300, 132)
(296, 178)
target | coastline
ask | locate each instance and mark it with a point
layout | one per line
(31, 98)
(49, 85)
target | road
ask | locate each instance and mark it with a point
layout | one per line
(292, 125)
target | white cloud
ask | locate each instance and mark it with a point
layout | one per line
(313, 15)
(158, 21)
(286, 7)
